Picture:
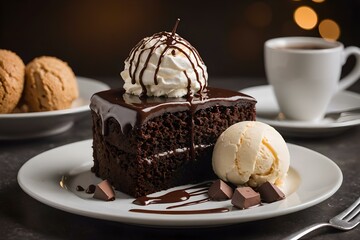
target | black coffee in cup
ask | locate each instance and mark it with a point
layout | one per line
(305, 47)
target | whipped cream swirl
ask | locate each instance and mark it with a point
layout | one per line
(164, 64)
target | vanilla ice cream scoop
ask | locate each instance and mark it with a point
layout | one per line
(251, 153)
(164, 64)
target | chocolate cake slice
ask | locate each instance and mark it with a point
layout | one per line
(144, 145)
(159, 130)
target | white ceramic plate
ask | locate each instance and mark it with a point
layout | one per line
(267, 110)
(52, 177)
(41, 124)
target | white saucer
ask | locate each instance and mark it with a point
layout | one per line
(267, 109)
(52, 177)
(40, 124)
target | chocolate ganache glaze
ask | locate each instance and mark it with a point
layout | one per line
(131, 109)
(128, 109)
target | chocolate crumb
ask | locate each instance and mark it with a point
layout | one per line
(91, 189)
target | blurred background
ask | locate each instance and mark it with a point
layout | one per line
(95, 37)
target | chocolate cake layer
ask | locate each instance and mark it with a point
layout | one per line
(143, 145)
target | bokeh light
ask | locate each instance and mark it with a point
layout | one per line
(318, 1)
(329, 29)
(305, 17)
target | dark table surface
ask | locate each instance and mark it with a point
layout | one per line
(22, 217)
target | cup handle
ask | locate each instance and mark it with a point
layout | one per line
(354, 75)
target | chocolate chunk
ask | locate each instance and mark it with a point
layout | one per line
(219, 190)
(104, 191)
(245, 197)
(270, 192)
(91, 189)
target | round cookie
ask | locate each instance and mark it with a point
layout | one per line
(12, 71)
(50, 84)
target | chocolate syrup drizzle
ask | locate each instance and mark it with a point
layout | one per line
(178, 196)
(182, 212)
(173, 43)
(189, 203)
(173, 196)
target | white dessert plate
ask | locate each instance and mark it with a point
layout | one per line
(52, 177)
(40, 124)
(267, 110)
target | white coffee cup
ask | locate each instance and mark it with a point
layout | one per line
(305, 74)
